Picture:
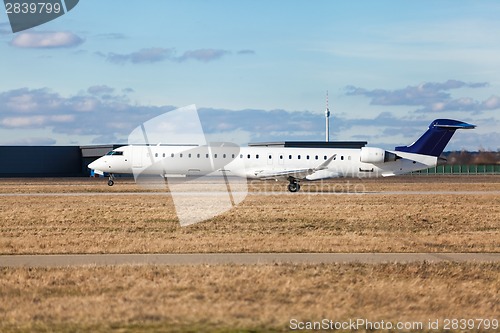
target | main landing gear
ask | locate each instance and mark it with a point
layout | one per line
(111, 179)
(294, 185)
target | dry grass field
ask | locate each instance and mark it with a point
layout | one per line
(468, 221)
(47, 217)
(243, 298)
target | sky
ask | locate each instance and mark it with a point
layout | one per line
(257, 70)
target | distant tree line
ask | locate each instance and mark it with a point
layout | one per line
(470, 158)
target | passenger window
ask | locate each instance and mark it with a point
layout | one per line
(189, 155)
(241, 155)
(316, 157)
(248, 156)
(172, 155)
(307, 157)
(298, 157)
(281, 157)
(215, 155)
(232, 156)
(198, 155)
(224, 156)
(341, 158)
(156, 155)
(163, 154)
(257, 156)
(348, 158)
(289, 157)
(270, 156)
(325, 157)
(180, 155)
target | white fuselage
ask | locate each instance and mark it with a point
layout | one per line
(255, 162)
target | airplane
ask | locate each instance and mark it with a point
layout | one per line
(274, 162)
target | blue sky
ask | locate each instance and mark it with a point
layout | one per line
(257, 70)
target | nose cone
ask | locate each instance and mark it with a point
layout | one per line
(97, 166)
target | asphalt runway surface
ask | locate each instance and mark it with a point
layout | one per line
(70, 260)
(208, 193)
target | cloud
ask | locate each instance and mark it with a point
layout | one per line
(246, 52)
(35, 141)
(25, 100)
(104, 112)
(158, 54)
(151, 55)
(491, 103)
(98, 111)
(431, 97)
(46, 40)
(106, 115)
(113, 35)
(100, 90)
(36, 121)
(204, 55)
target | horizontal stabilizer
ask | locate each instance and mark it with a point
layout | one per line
(435, 139)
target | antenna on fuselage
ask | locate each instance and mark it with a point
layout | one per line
(327, 119)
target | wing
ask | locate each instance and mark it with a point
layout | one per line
(268, 174)
(296, 173)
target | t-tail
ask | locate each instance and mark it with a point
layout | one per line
(433, 142)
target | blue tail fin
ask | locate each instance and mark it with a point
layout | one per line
(436, 138)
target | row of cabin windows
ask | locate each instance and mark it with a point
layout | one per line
(197, 155)
(256, 156)
(308, 157)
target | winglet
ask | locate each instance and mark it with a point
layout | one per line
(435, 139)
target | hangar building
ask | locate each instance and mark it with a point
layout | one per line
(49, 161)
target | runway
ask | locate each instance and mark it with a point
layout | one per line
(257, 193)
(71, 260)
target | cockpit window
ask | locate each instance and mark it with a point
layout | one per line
(114, 152)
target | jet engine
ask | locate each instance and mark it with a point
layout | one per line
(376, 155)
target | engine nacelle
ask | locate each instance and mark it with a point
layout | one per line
(376, 155)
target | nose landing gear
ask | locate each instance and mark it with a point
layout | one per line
(111, 179)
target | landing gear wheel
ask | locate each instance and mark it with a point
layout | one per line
(111, 180)
(293, 187)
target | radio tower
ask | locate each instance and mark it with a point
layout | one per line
(327, 119)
